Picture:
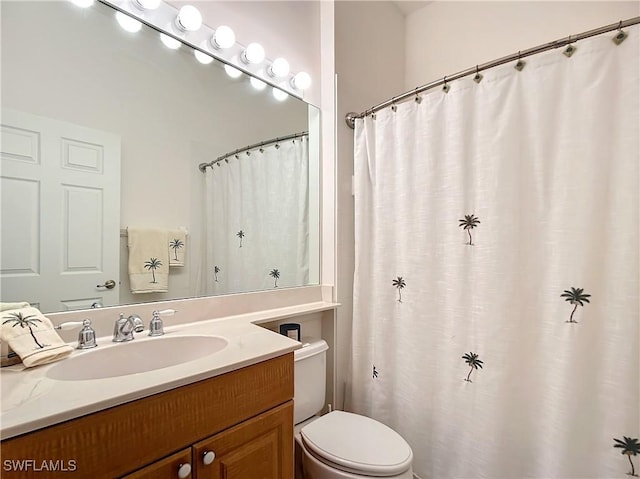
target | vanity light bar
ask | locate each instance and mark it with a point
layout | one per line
(186, 25)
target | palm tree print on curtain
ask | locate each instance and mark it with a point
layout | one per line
(630, 447)
(25, 322)
(399, 283)
(216, 270)
(275, 274)
(153, 264)
(575, 296)
(240, 234)
(472, 360)
(175, 244)
(468, 223)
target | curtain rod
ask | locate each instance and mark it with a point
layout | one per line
(352, 116)
(203, 166)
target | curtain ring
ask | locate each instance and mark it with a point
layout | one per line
(446, 87)
(621, 35)
(570, 50)
(417, 99)
(477, 78)
(520, 64)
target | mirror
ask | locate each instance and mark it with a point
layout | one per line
(121, 98)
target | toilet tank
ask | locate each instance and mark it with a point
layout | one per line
(310, 372)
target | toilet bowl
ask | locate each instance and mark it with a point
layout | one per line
(340, 445)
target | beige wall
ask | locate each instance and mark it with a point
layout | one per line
(369, 68)
(446, 37)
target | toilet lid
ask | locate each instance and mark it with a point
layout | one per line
(357, 444)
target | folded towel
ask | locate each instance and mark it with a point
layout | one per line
(32, 337)
(177, 247)
(6, 306)
(148, 260)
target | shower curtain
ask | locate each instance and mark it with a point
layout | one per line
(257, 219)
(496, 279)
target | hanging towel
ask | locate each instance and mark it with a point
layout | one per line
(31, 335)
(148, 260)
(177, 247)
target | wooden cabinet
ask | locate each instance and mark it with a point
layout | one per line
(245, 416)
(260, 448)
(169, 467)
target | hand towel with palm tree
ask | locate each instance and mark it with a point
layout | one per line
(31, 335)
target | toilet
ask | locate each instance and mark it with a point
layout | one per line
(340, 445)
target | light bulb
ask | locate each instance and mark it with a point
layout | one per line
(82, 3)
(254, 54)
(279, 94)
(232, 71)
(127, 23)
(301, 81)
(223, 37)
(279, 68)
(170, 42)
(189, 19)
(202, 57)
(147, 4)
(257, 84)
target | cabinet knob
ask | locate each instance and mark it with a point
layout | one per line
(184, 470)
(208, 457)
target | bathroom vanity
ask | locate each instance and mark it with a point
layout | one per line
(212, 398)
(244, 417)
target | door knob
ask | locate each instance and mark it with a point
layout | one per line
(109, 284)
(184, 470)
(208, 457)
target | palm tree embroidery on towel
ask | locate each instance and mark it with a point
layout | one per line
(176, 244)
(577, 297)
(399, 283)
(216, 270)
(468, 223)
(630, 447)
(153, 264)
(275, 274)
(25, 321)
(472, 360)
(240, 234)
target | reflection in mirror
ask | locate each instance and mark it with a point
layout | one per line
(103, 130)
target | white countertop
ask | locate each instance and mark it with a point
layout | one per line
(31, 400)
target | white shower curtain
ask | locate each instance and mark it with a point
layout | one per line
(257, 219)
(484, 217)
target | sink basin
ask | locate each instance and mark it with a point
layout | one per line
(137, 356)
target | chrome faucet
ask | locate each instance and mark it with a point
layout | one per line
(125, 326)
(87, 335)
(156, 326)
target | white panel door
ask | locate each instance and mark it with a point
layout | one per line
(60, 213)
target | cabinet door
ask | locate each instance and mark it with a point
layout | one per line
(259, 448)
(176, 466)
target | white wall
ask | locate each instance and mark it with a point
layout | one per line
(369, 68)
(446, 37)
